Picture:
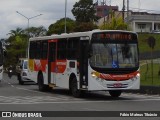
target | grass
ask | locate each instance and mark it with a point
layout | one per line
(143, 45)
(146, 74)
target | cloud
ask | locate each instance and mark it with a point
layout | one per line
(52, 11)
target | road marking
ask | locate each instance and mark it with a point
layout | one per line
(59, 96)
(140, 95)
(10, 84)
(48, 98)
(75, 102)
(58, 100)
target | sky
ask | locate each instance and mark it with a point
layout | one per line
(52, 10)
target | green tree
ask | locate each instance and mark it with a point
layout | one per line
(18, 42)
(17, 32)
(84, 11)
(17, 46)
(85, 26)
(58, 27)
(36, 31)
(115, 24)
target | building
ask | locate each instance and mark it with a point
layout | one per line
(144, 22)
(103, 10)
(108, 18)
(138, 21)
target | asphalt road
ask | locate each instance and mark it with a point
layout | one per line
(27, 98)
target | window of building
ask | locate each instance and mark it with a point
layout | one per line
(141, 26)
(158, 26)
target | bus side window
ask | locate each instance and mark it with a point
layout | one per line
(72, 48)
(32, 50)
(44, 50)
(38, 50)
(61, 49)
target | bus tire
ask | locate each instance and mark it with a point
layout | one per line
(41, 85)
(115, 93)
(74, 89)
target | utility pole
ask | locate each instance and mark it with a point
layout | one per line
(123, 9)
(127, 11)
(65, 29)
(104, 13)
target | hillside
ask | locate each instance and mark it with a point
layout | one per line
(143, 45)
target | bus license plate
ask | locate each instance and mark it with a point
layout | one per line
(117, 85)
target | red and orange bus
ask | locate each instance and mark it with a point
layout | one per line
(105, 60)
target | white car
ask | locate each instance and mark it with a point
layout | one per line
(22, 72)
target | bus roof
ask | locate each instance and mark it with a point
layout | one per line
(75, 34)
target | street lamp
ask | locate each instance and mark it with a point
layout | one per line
(65, 16)
(28, 25)
(28, 19)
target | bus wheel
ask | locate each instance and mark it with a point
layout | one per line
(115, 93)
(41, 85)
(74, 90)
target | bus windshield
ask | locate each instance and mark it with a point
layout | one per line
(112, 55)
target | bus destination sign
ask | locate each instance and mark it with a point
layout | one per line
(114, 36)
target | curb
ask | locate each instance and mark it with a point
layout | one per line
(152, 90)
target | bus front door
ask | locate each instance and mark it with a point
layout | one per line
(84, 44)
(52, 61)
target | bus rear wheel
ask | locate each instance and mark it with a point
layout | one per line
(115, 93)
(74, 89)
(41, 85)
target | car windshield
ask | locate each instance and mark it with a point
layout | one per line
(112, 55)
(25, 65)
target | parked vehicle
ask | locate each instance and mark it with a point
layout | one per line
(155, 31)
(22, 71)
(2, 54)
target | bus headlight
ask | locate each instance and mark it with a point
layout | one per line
(138, 74)
(93, 74)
